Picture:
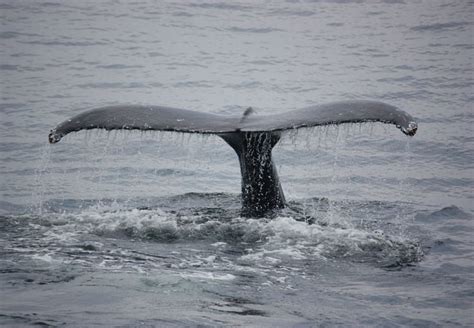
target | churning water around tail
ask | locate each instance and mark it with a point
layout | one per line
(195, 249)
(133, 229)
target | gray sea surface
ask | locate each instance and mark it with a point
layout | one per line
(130, 229)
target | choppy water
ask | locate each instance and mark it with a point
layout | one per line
(143, 229)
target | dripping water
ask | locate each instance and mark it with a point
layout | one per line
(41, 172)
(404, 187)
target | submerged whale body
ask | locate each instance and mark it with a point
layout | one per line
(251, 136)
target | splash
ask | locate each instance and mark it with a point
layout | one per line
(260, 243)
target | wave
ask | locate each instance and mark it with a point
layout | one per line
(440, 26)
(290, 238)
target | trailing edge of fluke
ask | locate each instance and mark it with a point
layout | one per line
(251, 136)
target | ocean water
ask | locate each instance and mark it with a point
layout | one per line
(130, 229)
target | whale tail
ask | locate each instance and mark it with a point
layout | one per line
(261, 189)
(251, 136)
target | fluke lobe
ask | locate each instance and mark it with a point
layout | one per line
(251, 136)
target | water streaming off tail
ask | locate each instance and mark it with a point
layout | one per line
(127, 165)
(41, 187)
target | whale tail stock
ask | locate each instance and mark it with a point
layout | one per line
(251, 136)
(261, 189)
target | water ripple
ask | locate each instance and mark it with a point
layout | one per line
(220, 5)
(441, 26)
(253, 29)
(118, 66)
(66, 43)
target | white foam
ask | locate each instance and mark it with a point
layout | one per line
(208, 276)
(219, 244)
(45, 257)
(268, 242)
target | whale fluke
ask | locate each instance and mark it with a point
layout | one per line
(251, 136)
(358, 111)
(137, 117)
